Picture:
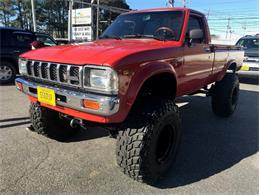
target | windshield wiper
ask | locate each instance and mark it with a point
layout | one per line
(143, 36)
(110, 37)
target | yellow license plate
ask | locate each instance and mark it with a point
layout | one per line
(245, 67)
(46, 96)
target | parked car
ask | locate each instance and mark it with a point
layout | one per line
(62, 41)
(46, 39)
(127, 82)
(250, 45)
(15, 41)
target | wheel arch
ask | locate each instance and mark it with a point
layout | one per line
(160, 73)
(10, 60)
(232, 65)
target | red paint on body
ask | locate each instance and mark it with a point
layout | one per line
(192, 67)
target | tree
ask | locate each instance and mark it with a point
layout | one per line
(6, 12)
(51, 15)
(54, 17)
(107, 17)
(23, 12)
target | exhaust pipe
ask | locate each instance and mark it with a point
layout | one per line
(74, 123)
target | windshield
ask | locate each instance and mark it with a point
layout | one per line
(147, 25)
(249, 43)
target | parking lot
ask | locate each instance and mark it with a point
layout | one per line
(216, 155)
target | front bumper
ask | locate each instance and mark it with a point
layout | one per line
(249, 69)
(73, 99)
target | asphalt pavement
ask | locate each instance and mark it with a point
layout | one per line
(216, 156)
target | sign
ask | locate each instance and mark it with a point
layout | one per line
(82, 33)
(82, 16)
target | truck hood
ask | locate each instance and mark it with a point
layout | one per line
(99, 52)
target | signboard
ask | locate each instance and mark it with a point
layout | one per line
(81, 24)
(82, 16)
(82, 33)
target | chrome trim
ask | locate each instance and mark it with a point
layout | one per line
(48, 71)
(94, 89)
(32, 68)
(69, 76)
(58, 72)
(109, 104)
(81, 76)
(40, 70)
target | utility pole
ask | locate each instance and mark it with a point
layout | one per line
(33, 16)
(92, 23)
(228, 28)
(97, 25)
(184, 3)
(208, 14)
(244, 28)
(171, 3)
(70, 20)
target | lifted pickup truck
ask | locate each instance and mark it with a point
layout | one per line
(127, 82)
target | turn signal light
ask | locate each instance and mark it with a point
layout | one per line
(19, 86)
(91, 104)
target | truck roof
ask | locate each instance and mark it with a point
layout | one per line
(164, 9)
(250, 36)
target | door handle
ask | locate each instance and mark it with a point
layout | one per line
(17, 51)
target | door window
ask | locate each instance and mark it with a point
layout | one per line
(46, 40)
(23, 39)
(196, 23)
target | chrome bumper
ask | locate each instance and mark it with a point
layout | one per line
(109, 105)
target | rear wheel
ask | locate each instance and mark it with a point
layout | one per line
(47, 122)
(7, 72)
(147, 147)
(225, 95)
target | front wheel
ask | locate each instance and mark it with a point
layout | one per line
(225, 95)
(147, 147)
(7, 72)
(47, 122)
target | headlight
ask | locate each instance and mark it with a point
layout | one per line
(22, 66)
(103, 79)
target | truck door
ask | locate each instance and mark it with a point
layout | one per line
(198, 57)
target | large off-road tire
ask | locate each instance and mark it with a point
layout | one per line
(47, 122)
(225, 95)
(147, 146)
(7, 72)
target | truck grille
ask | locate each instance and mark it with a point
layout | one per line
(59, 73)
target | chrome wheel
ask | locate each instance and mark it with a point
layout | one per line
(6, 73)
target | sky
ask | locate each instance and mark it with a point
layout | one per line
(243, 14)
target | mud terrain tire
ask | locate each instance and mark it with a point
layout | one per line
(47, 122)
(147, 146)
(225, 95)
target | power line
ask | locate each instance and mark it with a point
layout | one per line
(227, 2)
(241, 18)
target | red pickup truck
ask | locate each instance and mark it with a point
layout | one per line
(127, 82)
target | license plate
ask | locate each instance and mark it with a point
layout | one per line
(46, 96)
(245, 67)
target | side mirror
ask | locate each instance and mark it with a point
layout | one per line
(196, 34)
(37, 45)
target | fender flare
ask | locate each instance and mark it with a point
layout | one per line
(144, 73)
(227, 67)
